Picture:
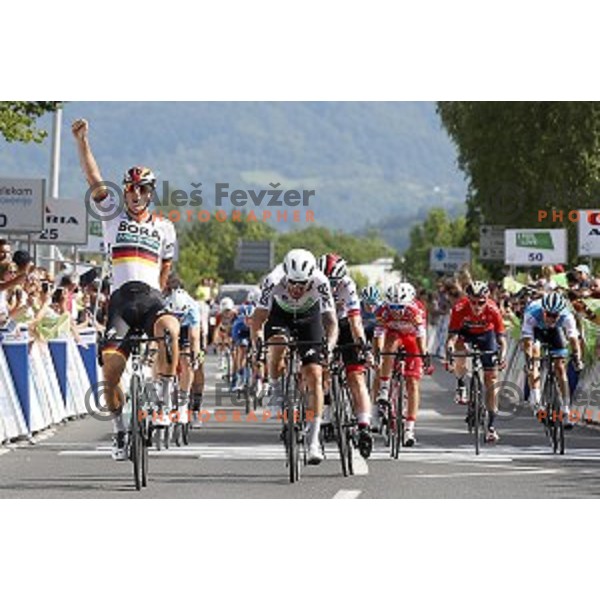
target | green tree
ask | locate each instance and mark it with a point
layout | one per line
(437, 230)
(18, 120)
(321, 240)
(525, 157)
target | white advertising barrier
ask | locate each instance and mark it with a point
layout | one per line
(78, 383)
(588, 230)
(533, 247)
(12, 422)
(44, 374)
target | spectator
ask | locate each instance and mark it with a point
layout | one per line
(582, 274)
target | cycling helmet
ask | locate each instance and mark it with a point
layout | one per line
(333, 266)
(139, 176)
(553, 303)
(477, 288)
(178, 301)
(299, 265)
(400, 293)
(253, 296)
(226, 304)
(370, 295)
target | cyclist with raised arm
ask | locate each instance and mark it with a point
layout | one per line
(401, 324)
(550, 321)
(477, 320)
(296, 297)
(141, 248)
(351, 332)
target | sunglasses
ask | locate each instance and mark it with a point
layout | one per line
(145, 188)
(478, 301)
(551, 316)
(398, 307)
(297, 284)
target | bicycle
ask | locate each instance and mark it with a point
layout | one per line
(476, 409)
(393, 417)
(344, 422)
(139, 437)
(294, 414)
(550, 413)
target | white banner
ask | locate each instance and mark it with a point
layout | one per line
(22, 203)
(588, 229)
(66, 223)
(448, 260)
(533, 247)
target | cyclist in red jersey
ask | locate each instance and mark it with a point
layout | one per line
(477, 320)
(401, 324)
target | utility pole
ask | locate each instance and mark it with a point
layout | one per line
(55, 175)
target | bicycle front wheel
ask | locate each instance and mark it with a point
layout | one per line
(137, 441)
(475, 400)
(340, 434)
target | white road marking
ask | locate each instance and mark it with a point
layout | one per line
(347, 495)
(4, 451)
(425, 454)
(495, 474)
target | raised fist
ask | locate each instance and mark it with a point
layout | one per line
(80, 129)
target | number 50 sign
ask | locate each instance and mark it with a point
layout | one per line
(535, 246)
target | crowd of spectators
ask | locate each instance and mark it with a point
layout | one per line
(48, 306)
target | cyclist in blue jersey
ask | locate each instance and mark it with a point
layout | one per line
(370, 301)
(240, 335)
(183, 306)
(551, 322)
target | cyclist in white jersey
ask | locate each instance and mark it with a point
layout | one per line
(141, 248)
(296, 297)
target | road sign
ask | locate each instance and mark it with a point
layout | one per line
(66, 223)
(257, 256)
(588, 230)
(22, 203)
(534, 247)
(448, 260)
(491, 242)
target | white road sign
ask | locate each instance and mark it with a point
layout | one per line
(66, 223)
(588, 229)
(448, 260)
(22, 203)
(535, 246)
(491, 242)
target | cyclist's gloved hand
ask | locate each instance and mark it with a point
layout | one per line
(578, 364)
(501, 363)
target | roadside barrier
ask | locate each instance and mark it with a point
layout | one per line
(43, 383)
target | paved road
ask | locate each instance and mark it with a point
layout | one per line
(245, 460)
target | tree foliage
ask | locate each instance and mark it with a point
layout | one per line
(437, 230)
(207, 250)
(18, 120)
(523, 157)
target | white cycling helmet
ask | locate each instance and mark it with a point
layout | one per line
(478, 289)
(299, 265)
(226, 304)
(178, 301)
(253, 296)
(401, 293)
